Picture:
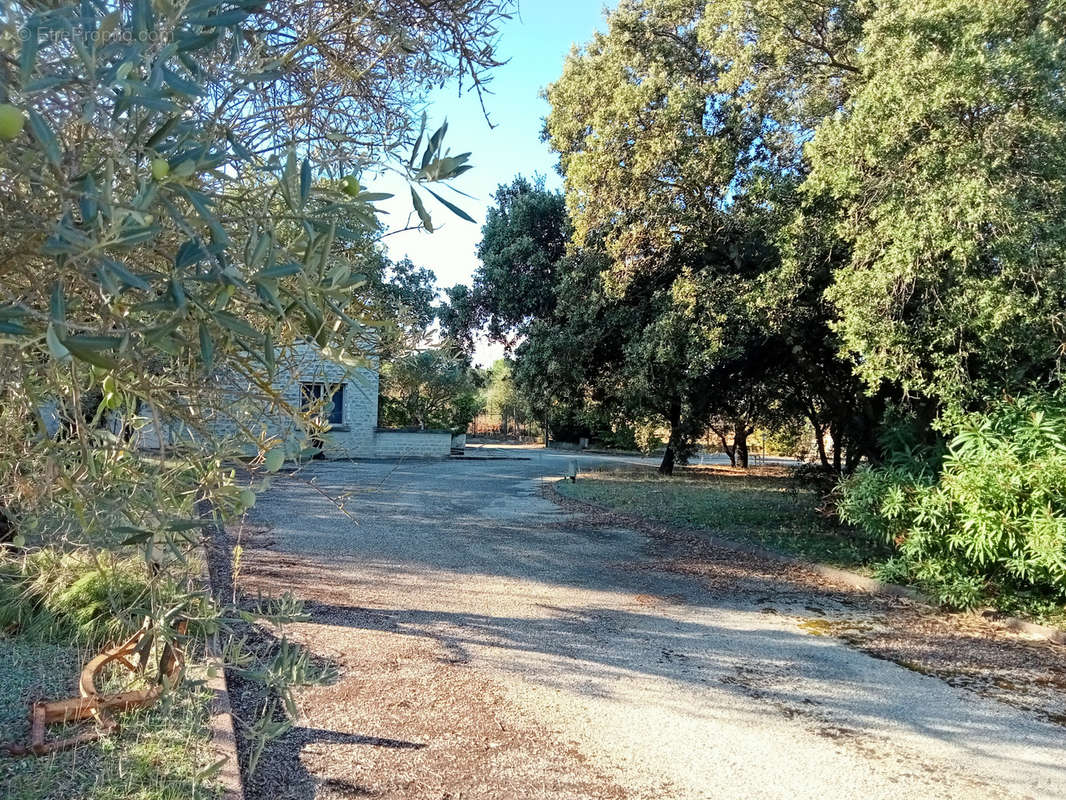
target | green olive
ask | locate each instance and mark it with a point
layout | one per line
(160, 168)
(11, 121)
(274, 459)
(350, 186)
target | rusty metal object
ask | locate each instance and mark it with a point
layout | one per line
(92, 703)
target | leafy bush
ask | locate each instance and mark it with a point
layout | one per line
(606, 429)
(568, 424)
(648, 439)
(432, 389)
(621, 437)
(812, 476)
(990, 526)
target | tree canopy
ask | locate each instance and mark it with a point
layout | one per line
(181, 188)
(524, 237)
(950, 199)
(428, 389)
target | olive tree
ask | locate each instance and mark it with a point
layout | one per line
(183, 204)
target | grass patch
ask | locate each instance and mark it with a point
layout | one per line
(763, 506)
(159, 754)
(63, 595)
(56, 612)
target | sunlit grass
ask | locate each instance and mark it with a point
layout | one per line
(763, 507)
(160, 753)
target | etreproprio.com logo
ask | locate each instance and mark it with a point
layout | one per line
(96, 37)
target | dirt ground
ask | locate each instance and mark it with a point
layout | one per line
(492, 643)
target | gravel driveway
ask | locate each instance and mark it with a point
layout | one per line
(492, 644)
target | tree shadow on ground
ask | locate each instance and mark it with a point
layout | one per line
(278, 773)
(660, 606)
(598, 651)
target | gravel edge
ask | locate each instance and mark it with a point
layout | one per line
(867, 584)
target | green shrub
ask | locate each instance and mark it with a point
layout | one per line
(620, 436)
(647, 438)
(990, 525)
(881, 501)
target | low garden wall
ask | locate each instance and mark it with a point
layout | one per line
(412, 444)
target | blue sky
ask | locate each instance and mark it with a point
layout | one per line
(535, 41)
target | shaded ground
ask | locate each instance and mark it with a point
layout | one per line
(492, 644)
(965, 650)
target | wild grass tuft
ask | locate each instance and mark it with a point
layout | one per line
(77, 596)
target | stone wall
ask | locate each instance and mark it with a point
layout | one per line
(248, 412)
(353, 437)
(412, 444)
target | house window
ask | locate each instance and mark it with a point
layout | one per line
(326, 399)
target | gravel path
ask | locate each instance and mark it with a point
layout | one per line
(493, 644)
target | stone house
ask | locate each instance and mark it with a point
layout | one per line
(346, 396)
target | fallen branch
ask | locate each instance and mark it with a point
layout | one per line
(92, 703)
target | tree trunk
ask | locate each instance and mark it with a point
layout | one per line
(822, 455)
(834, 432)
(667, 465)
(545, 429)
(819, 439)
(740, 445)
(731, 451)
(728, 449)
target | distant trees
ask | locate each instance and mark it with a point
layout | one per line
(428, 389)
(457, 318)
(426, 378)
(501, 397)
(408, 293)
